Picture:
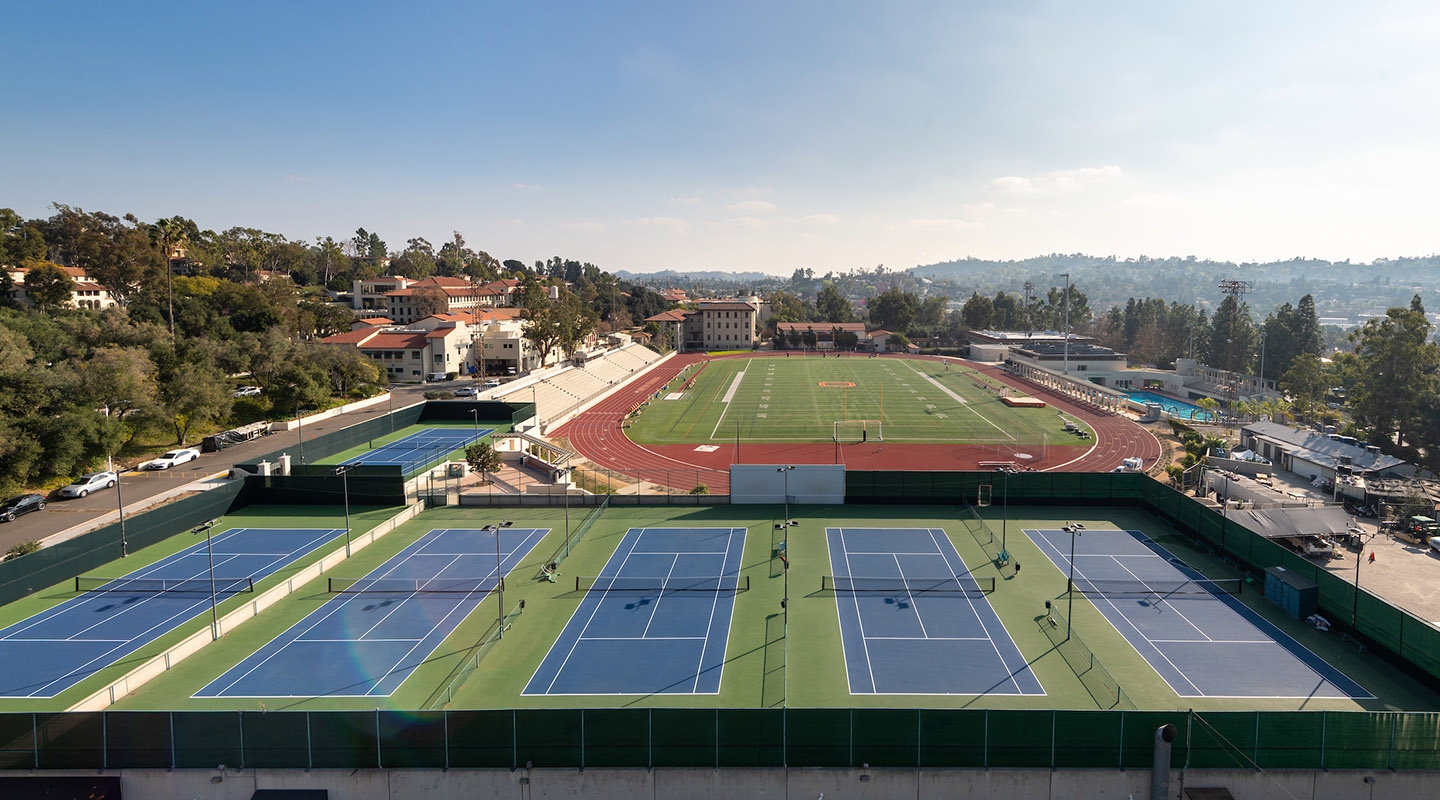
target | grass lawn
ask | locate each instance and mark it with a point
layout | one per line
(800, 398)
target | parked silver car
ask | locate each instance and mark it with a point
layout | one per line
(85, 484)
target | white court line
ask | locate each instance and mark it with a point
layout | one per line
(930, 638)
(729, 395)
(645, 638)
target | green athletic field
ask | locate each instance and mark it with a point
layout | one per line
(800, 398)
(769, 664)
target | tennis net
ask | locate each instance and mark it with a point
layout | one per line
(86, 583)
(955, 584)
(411, 586)
(626, 583)
(1138, 587)
(428, 444)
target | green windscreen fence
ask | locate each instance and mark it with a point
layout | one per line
(64, 560)
(677, 737)
(1035, 488)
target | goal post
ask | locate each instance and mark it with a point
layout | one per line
(858, 430)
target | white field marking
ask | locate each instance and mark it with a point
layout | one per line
(729, 395)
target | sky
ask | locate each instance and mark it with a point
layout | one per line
(755, 136)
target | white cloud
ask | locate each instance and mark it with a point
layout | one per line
(740, 222)
(936, 224)
(671, 223)
(1065, 180)
(815, 219)
(527, 187)
(685, 201)
(753, 205)
(585, 226)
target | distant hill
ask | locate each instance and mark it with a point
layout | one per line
(676, 276)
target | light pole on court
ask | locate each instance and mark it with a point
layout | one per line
(344, 472)
(1355, 605)
(565, 473)
(499, 577)
(300, 431)
(204, 528)
(785, 568)
(786, 472)
(1075, 530)
(475, 417)
(1004, 508)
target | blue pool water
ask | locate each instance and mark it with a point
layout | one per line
(1176, 408)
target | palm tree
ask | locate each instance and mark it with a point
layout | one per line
(170, 235)
(1209, 405)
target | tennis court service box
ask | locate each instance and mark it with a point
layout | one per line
(1299, 596)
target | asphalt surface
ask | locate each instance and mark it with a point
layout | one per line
(141, 489)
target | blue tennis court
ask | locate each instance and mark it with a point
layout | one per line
(914, 621)
(656, 621)
(423, 447)
(1204, 643)
(54, 650)
(366, 643)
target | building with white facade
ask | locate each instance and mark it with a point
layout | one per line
(87, 292)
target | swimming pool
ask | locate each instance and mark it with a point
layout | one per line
(1173, 407)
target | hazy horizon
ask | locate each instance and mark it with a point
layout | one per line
(747, 136)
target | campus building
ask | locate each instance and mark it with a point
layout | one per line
(87, 292)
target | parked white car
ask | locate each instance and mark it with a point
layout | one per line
(247, 391)
(466, 391)
(172, 459)
(85, 484)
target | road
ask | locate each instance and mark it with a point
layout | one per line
(141, 489)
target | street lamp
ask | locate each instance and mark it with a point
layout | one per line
(1075, 530)
(475, 417)
(499, 577)
(344, 472)
(204, 528)
(786, 471)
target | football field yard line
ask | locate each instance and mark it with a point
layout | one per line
(729, 395)
(972, 407)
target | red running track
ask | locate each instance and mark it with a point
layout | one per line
(598, 435)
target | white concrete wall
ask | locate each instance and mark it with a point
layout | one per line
(806, 483)
(777, 783)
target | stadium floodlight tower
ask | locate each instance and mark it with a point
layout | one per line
(499, 577)
(344, 472)
(204, 528)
